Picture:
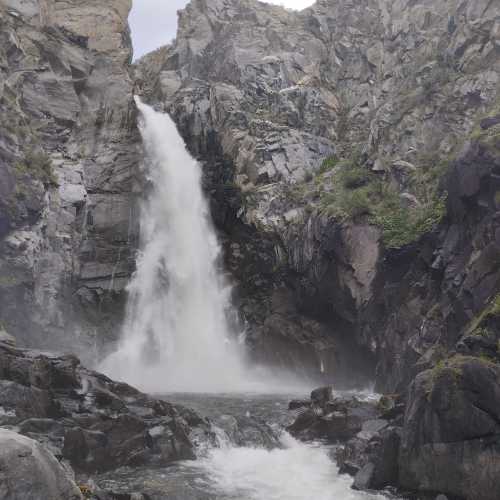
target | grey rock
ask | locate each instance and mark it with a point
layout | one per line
(75, 111)
(30, 472)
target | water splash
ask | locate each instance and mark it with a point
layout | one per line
(176, 335)
(297, 471)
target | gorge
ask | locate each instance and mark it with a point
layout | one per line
(349, 157)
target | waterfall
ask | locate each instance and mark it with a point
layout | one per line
(176, 334)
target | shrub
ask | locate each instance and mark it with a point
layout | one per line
(405, 225)
(355, 177)
(37, 164)
(328, 164)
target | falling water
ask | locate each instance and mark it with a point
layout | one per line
(176, 335)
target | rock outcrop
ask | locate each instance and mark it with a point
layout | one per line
(451, 435)
(90, 421)
(68, 171)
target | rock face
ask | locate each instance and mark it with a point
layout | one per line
(29, 472)
(388, 93)
(68, 165)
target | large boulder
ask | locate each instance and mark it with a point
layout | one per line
(29, 472)
(451, 436)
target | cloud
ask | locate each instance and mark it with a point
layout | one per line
(154, 22)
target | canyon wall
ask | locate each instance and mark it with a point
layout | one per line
(348, 171)
(68, 171)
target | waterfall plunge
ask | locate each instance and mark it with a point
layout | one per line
(176, 335)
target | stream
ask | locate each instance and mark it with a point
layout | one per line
(294, 471)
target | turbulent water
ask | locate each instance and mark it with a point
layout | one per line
(294, 471)
(176, 335)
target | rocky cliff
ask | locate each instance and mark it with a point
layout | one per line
(68, 170)
(351, 154)
(348, 168)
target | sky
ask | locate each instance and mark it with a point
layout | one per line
(154, 22)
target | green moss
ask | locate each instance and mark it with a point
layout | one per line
(8, 281)
(442, 368)
(346, 189)
(492, 310)
(497, 198)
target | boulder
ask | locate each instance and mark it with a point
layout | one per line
(451, 434)
(332, 418)
(29, 472)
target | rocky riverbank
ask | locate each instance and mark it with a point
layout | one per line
(439, 441)
(88, 422)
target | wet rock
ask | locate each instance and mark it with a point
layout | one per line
(248, 431)
(295, 404)
(372, 457)
(29, 472)
(321, 396)
(332, 418)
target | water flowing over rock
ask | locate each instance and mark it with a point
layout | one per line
(392, 90)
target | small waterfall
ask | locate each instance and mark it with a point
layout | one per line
(176, 335)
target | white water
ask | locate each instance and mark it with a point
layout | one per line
(176, 335)
(298, 471)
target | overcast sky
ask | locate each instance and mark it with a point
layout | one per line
(154, 22)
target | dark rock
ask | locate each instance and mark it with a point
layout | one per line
(363, 478)
(322, 396)
(489, 122)
(297, 403)
(93, 422)
(333, 419)
(372, 458)
(451, 436)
